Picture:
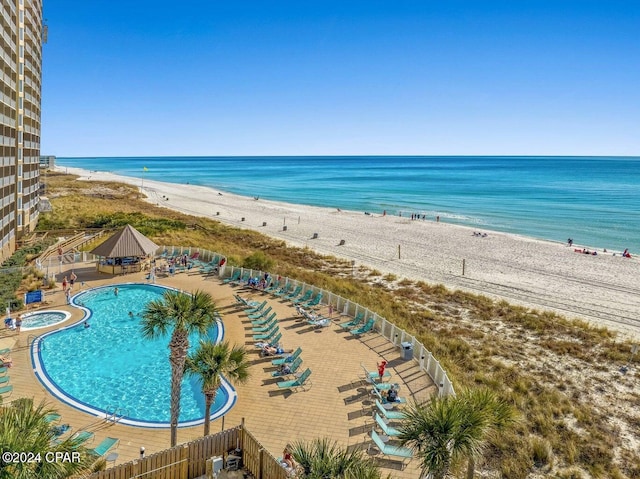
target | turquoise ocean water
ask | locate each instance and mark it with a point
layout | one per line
(593, 200)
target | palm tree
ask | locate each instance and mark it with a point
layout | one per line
(24, 429)
(210, 362)
(322, 458)
(181, 314)
(447, 430)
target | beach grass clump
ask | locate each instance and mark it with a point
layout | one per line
(558, 373)
(258, 260)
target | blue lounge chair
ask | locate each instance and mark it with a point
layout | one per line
(296, 292)
(354, 322)
(266, 327)
(257, 308)
(273, 287)
(388, 430)
(52, 417)
(260, 314)
(300, 382)
(243, 280)
(314, 302)
(368, 326)
(5, 351)
(235, 277)
(266, 336)
(304, 298)
(391, 415)
(6, 390)
(373, 375)
(288, 358)
(273, 342)
(3, 370)
(104, 447)
(263, 321)
(292, 369)
(390, 450)
(285, 290)
(384, 400)
(4, 379)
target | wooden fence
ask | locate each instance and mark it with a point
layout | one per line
(188, 461)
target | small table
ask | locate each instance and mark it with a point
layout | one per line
(112, 457)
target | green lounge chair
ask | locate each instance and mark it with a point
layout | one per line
(373, 374)
(292, 369)
(6, 390)
(273, 287)
(294, 384)
(245, 303)
(296, 292)
(244, 279)
(390, 450)
(273, 342)
(287, 358)
(78, 439)
(3, 370)
(257, 308)
(285, 290)
(314, 302)
(4, 379)
(368, 326)
(104, 447)
(235, 277)
(391, 415)
(266, 336)
(388, 430)
(384, 401)
(261, 314)
(266, 327)
(354, 322)
(263, 321)
(304, 298)
(52, 417)
(5, 351)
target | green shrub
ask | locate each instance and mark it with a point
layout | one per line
(259, 261)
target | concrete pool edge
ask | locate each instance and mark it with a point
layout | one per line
(50, 385)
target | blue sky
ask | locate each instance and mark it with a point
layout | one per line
(146, 78)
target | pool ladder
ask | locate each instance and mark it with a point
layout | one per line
(114, 414)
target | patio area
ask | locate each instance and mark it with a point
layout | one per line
(338, 405)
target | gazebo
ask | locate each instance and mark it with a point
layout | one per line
(124, 252)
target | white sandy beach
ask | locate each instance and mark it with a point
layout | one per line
(602, 289)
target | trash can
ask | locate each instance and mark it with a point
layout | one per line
(407, 351)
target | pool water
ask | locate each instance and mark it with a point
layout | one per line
(109, 365)
(43, 319)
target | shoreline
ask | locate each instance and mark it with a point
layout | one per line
(535, 273)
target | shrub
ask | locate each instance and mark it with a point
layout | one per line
(259, 261)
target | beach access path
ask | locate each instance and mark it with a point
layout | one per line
(543, 275)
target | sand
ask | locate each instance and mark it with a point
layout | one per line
(543, 275)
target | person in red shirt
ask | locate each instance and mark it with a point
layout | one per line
(381, 367)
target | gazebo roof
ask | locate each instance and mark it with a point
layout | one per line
(126, 242)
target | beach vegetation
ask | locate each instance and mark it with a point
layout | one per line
(560, 374)
(323, 458)
(209, 363)
(259, 261)
(25, 429)
(179, 315)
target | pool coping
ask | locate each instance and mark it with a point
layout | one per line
(40, 372)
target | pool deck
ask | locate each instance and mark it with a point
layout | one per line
(338, 405)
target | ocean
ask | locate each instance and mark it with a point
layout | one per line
(593, 200)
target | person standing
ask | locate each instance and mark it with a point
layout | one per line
(381, 367)
(72, 278)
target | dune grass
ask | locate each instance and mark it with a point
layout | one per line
(543, 363)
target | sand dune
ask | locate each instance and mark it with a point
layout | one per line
(602, 289)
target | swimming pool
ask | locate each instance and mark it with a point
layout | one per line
(108, 367)
(43, 319)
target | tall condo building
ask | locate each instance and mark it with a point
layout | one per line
(21, 39)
